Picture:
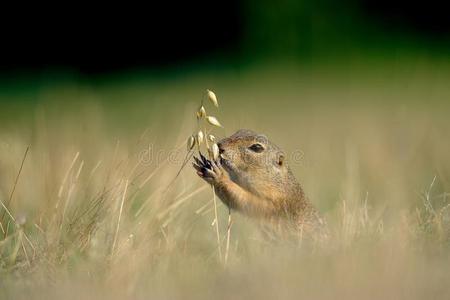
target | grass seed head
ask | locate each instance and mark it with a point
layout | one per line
(200, 137)
(215, 151)
(213, 121)
(201, 113)
(190, 143)
(212, 97)
(211, 138)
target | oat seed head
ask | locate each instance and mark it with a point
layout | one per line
(190, 143)
(200, 137)
(201, 112)
(211, 138)
(212, 97)
(213, 121)
(215, 151)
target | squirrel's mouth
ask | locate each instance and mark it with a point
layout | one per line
(222, 160)
(226, 163)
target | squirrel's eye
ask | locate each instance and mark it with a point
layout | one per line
(256, 148)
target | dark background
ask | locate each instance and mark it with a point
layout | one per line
(99, 39)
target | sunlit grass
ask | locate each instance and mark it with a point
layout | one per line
(93, 214)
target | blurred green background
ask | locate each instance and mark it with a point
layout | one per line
(85, 49)
(179, 36)
(136, 61)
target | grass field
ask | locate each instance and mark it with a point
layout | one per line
(89, 215)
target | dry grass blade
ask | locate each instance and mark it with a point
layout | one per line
(119, 217)
(11, 195)
(173, 206)
(7, 211)
(66, 176)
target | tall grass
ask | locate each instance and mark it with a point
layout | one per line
(94, 211)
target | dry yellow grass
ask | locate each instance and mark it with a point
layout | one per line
(91, 215)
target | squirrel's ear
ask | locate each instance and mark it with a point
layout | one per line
(280, 159)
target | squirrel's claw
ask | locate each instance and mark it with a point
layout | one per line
(198, 161)
(208, 170)
(204, 163)
(204, 159)
(197, 167)
(216, 167)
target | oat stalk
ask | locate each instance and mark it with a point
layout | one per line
(227, 248)
(202, 137)
(216, 223)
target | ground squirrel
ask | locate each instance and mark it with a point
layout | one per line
(253, 177)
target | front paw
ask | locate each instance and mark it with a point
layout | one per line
(209, 170)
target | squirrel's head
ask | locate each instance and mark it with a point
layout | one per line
(251, 159)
